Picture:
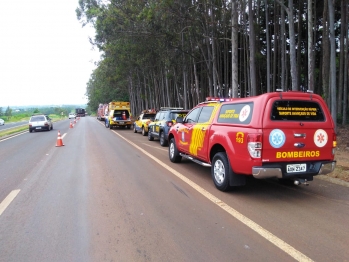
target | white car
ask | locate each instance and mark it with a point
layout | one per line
(71, 115)
(40, 122)
(2, 122)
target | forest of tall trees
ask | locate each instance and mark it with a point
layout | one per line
(177, 52)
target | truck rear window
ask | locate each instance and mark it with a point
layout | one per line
(297, 110)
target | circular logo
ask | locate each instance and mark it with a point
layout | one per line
(277, 138)
(320, 138)
(244, 113)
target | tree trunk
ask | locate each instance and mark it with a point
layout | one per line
(325, 55)
(268, 44)
(234, 49)
(341, 57)
(310, 47)
(252, 41)
(332, 62)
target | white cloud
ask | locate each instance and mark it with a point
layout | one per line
(45, 55)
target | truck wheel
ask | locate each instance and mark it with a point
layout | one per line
(221, 171)
(150, 137)
(144, 133)
(134, 128)
(163, 141)
(173, 152)
(110, 126)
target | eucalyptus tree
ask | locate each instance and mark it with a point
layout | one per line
(332, 61)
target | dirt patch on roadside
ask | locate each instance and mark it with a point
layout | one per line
(342, 154)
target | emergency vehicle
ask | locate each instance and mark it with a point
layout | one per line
(102, 112)
(118, 114)
(142, 122)
(164, 119)
(284, 135)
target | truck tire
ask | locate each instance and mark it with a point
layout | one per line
(150, 137)
(173, 153)
(110, 126)
(144, 133)
(163, 141)
(221, 171)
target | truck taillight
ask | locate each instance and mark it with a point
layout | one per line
(334, 143)
(254, 145)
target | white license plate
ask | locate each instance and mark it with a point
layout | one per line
(295, 168)
(38, 128)
(121, 122)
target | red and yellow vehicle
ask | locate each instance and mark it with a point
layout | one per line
(284, 135)
(119, 115)
(143, 120)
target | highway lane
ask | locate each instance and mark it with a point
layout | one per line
(101, 198)
(12, 124)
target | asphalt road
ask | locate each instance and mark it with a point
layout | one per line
(114, 196)
(13, 124)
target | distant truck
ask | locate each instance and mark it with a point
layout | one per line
(102, 112)
(80, 112)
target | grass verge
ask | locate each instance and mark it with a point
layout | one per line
(13, 131)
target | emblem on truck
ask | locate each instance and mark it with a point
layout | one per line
(320, 138)
(277, 138)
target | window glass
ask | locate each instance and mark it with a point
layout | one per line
(157, 117)
(148, 115)
(205, 114)
(174, 115)
(297, 110)
(193, 115)
(236, 113)
(37, 118)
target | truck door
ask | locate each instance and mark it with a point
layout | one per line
(296, 130)
(186, 130)
(200, 134)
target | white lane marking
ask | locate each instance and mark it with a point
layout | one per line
(7, 201)
(297, 255)
(63, 135)
(155, 147)
(13, 136)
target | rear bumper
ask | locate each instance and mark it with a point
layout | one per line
(279, 171)
(120, 123)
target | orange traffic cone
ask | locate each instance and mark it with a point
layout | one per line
(74, 121)
(59, 140)
(71, 125)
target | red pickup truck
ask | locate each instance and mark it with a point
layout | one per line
(284, 135)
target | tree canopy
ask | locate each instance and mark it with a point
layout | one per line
(177, 52)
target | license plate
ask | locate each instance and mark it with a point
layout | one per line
(38, 128)
(295, 168)
(121, 122)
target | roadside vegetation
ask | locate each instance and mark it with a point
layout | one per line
(176, 53)
(10, 116)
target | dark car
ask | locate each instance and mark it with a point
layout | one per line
(40, 122)
(164, 119)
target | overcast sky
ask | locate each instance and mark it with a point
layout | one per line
(45, 55)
